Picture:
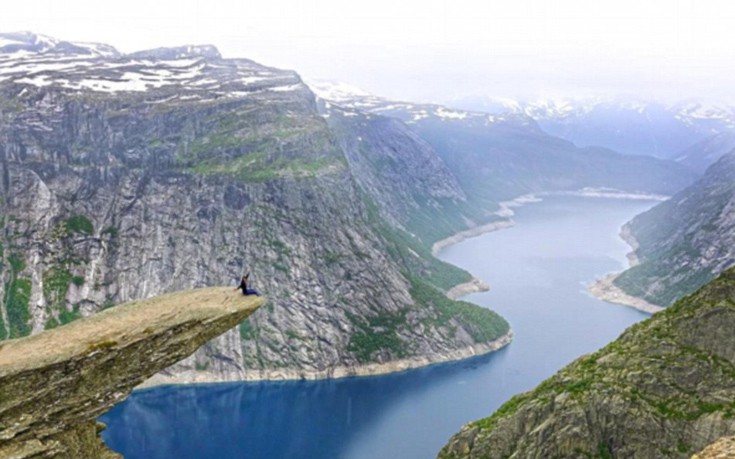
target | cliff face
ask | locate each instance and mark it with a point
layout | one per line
(401, 171)
(55, 384)
(130, 176)
(686, 241)
(665, 388)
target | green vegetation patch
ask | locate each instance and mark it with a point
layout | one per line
(17, 299)
(247, 331)
(261, 147)
(56, 282)
(483, 324)
(377, 333)
(112, 231)
(79, 224)
(413, 254)
(257, 167)
(441, 218)
(674, 282)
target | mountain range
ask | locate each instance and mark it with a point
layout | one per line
(625, 124)
(124, 176)
(129, 175)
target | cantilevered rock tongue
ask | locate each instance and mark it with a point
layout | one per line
(55, 384)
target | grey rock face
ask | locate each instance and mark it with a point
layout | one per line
(397, 169)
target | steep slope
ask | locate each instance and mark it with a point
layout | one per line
(686, 241)
(415, 188)
(55, 384)
(130, 176)
(665, 388)
(703, 154)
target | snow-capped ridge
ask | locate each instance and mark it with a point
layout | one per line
(14, 42)
(178, 52)
(185, 73)
(351, 100)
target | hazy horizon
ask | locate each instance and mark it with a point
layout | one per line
(434, 50)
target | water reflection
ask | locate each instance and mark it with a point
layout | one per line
(268, 420)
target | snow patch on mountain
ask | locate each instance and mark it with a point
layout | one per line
(193, 72)
(350, 98)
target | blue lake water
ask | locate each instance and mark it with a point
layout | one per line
(537, 271)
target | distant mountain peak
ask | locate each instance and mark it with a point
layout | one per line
(29, 43)
(26, 41)
(179, 52)
(336, 91)
(354, 99)
(199, 73)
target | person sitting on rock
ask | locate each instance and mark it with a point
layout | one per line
(244, 286)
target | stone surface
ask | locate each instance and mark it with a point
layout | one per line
(724, 448)
(54, 385)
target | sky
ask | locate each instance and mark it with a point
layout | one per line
(433, 50)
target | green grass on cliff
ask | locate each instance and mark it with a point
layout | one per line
(257, 167)
(431, 223)
(16, 300)
(381, 333)
(79, 224)
(413, 254)
(482, 324)
(261, 148)
(376, 334)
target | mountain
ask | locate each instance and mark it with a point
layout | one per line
(127, 176)
(703, 154)
(686, 241)
(664, 389)
(624, 124)
(416, 189)
(498, 157)
(27, 43)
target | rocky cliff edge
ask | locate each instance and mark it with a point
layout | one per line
(55, 384)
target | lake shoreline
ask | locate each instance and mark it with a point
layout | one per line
(605, 289)
(338, 372)
(475, 285)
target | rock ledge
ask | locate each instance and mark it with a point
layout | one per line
(55, 384)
